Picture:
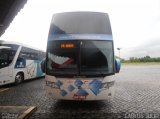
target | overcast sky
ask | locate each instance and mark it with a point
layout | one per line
(135, 23)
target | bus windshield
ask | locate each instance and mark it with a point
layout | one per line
(96, 57)
(80, 58)
(7, 53)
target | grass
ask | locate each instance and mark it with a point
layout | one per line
(141, 63)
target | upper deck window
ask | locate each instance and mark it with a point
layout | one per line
(80, 23)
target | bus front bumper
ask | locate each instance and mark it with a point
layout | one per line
(80, 89)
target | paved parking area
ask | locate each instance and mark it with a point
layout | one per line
(137, 94)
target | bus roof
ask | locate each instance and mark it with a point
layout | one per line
(20, 44)
(80, 23)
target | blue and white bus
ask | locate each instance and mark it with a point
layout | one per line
(80, 61)
(19, 62)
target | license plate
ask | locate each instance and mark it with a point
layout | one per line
(79, 97)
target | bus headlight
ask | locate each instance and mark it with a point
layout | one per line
(107, 85)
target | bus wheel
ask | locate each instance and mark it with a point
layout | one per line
(18, 78)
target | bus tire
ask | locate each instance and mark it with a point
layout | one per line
(19, 78)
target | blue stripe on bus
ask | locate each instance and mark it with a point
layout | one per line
(39, 72)
(80, 36)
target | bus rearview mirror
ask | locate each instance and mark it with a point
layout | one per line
(43, 65)
(117, 65)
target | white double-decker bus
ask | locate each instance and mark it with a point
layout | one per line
(80, 61)
(19, 62)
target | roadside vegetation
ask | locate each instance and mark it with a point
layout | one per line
(142, 60)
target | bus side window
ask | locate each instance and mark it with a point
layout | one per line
(29, 54)
(33, 54)
(41, 55)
